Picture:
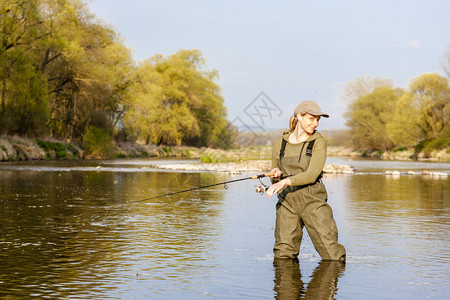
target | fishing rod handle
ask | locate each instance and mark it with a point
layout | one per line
(263, 175)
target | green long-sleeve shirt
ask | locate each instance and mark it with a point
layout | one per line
(304, 169)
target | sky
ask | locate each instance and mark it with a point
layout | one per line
(271, 55)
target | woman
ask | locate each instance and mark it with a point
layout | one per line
(298, 159)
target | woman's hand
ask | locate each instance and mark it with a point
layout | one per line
(275, 173)
(275, 188)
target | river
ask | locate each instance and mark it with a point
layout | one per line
(70, 231)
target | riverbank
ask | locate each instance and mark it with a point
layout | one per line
(246, 166)
(15, 148)
(405, 154)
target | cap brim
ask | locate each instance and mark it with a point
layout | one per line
(322, 114)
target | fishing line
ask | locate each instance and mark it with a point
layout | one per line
(259, 176)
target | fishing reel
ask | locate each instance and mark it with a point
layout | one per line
(261, 188)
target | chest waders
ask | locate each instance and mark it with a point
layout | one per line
(304, 206)
(290, 189)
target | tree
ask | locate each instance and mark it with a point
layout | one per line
(403, 129)
(362, 86)
(445, 62)
(368, 116)
(431, 98)
(60, 70)
(177, 101)
(88, 68)
(23, 99)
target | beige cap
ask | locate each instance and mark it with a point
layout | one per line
(310, 107)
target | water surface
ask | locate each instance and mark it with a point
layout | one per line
(68, 230)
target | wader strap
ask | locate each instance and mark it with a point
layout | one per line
(310, 148)
(283, 146)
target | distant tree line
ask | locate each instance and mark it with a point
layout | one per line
(380, 116)
(64, 74)
(383, 117)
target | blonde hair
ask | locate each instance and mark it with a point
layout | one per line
(293, 121)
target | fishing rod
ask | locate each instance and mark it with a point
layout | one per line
(259, 189)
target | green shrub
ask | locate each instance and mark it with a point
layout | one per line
(400, 149)
(213, 158)
(47, 146)
(97, 142)
(61, 154)
(206, 159)
(72, 149)
(419, 147)
(429, 146)
(443, 143)
(120, 155)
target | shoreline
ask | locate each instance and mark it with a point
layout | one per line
(442, 155)
(248, 166)
(15, 148)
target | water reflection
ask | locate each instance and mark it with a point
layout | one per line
(67, 232)
(72, 233)
(322, 285)
(51, 235)
(177, 231)
(397, 228)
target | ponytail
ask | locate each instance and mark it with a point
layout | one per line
(292, 122)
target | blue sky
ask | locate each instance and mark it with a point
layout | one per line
(289, 50)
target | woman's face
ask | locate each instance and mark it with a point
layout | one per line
(308, 122)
